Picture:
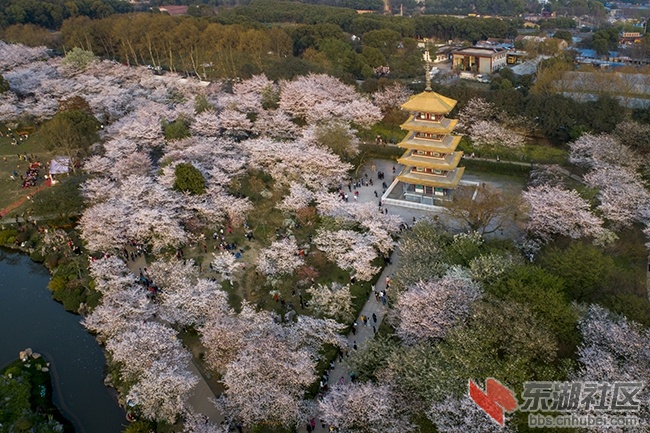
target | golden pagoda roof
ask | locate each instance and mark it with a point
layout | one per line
(449, 162)
(450, 180)
(446, 145)
(429, 102)
(445, 126)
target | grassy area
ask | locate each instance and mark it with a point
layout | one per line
(11, 164)
(532, 153)
(494, 167)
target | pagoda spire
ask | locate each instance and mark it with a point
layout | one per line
(427, 72)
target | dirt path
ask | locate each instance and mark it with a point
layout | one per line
(15, 205)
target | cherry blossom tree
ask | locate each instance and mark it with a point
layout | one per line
(391, 97)
(462, 415)
(267, 366)
(155, 215)
(123, 301)
(592, 151)
(185, 299)
(361, 111)
(428, 310)
(319, 98)
(488, 132)
(621, 193)
(556, 211)
(350, 250)
(266, 381)
(364, 408)
(12, 55)
(311, 166)
(476, 109)
(225, 264)
(141, 345)
(163, 391)
(280, 258)
(249, 94)
(308, 94)
(206, 124)
(275, 124)
(198, 423)
(235, 123)
(299, 197)
(143, 126)
(614, 349)
(333, 301)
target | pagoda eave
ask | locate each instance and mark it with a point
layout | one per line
(445, 127)
(449, 181)
(448, 163)
(444, 146)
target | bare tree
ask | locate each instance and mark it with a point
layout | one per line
(483, 209)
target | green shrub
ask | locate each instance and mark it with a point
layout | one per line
(176, 130)
(37, 256)
(189, 179)
(8, 236)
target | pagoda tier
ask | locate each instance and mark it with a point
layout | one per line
(446, 144)
(430, 160)
(442, 126)
(434, 160)
(442, 179)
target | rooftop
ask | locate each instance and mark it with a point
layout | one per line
(429, 102)
(480, 52)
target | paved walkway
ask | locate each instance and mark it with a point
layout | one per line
(363, 334)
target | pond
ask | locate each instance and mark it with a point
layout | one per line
(29, 317)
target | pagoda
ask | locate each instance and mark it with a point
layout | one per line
(431, 160)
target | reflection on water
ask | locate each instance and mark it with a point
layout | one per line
(31, 318)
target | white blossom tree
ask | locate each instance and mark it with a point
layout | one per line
(557, 211)
(249, 94)
(333, 301)
(309, 165)
(235, 123)
(622, 193)
(364, 408)
(225, 264)
(280, 258)
(206, 124)
(299, 197)
(350, 250)
(141, 345)
(163, 391)
(185, 299)
(462, 415)
(13, 55)
(428, 310)
(275, 124)
(488, 132)
(487, 268)
(266, 366)
(591, 151)
(319, 98)
(614, 349)
(391, 96)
